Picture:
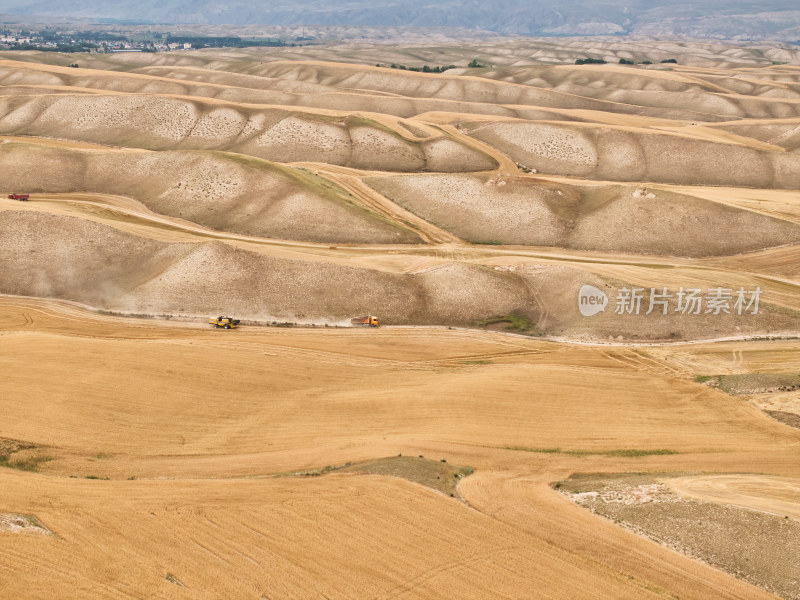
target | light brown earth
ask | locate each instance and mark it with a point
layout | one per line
(728, 530)
(528, 179)
(306, 185)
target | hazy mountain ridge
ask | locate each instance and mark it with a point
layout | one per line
(736, 19)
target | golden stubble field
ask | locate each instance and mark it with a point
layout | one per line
(307, 185)
(202, 433)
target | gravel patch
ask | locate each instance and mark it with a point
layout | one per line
(756, 547)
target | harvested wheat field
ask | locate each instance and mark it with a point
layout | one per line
(588, 288)
(214, 459)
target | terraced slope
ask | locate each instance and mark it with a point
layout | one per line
(223, 191)
(246, 179)
(613, 218)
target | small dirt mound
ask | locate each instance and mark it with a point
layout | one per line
(437, 475)
(787, 418)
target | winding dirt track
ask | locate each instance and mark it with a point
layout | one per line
(430, 233)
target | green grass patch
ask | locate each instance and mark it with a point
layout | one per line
(634, 453)
(330, 190)
(758, 383)
(536, 450)
(22, 456)
(357, 121)
(313, 472)
(302, 177)
(308, 181)
(27, 463)
(516, 323)
(35, 522)
(589, 482)
(622, 453)
(436, 474)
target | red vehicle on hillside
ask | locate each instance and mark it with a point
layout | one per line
(22, 197)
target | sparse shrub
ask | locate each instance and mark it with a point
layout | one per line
(517, 323)
(633, 453)
(29, 463)
(625, 61)
(172, 579)
(427, 69)
(670, 60)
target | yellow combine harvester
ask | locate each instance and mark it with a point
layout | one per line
(224, 323)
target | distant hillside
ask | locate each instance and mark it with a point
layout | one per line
(721, 19)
